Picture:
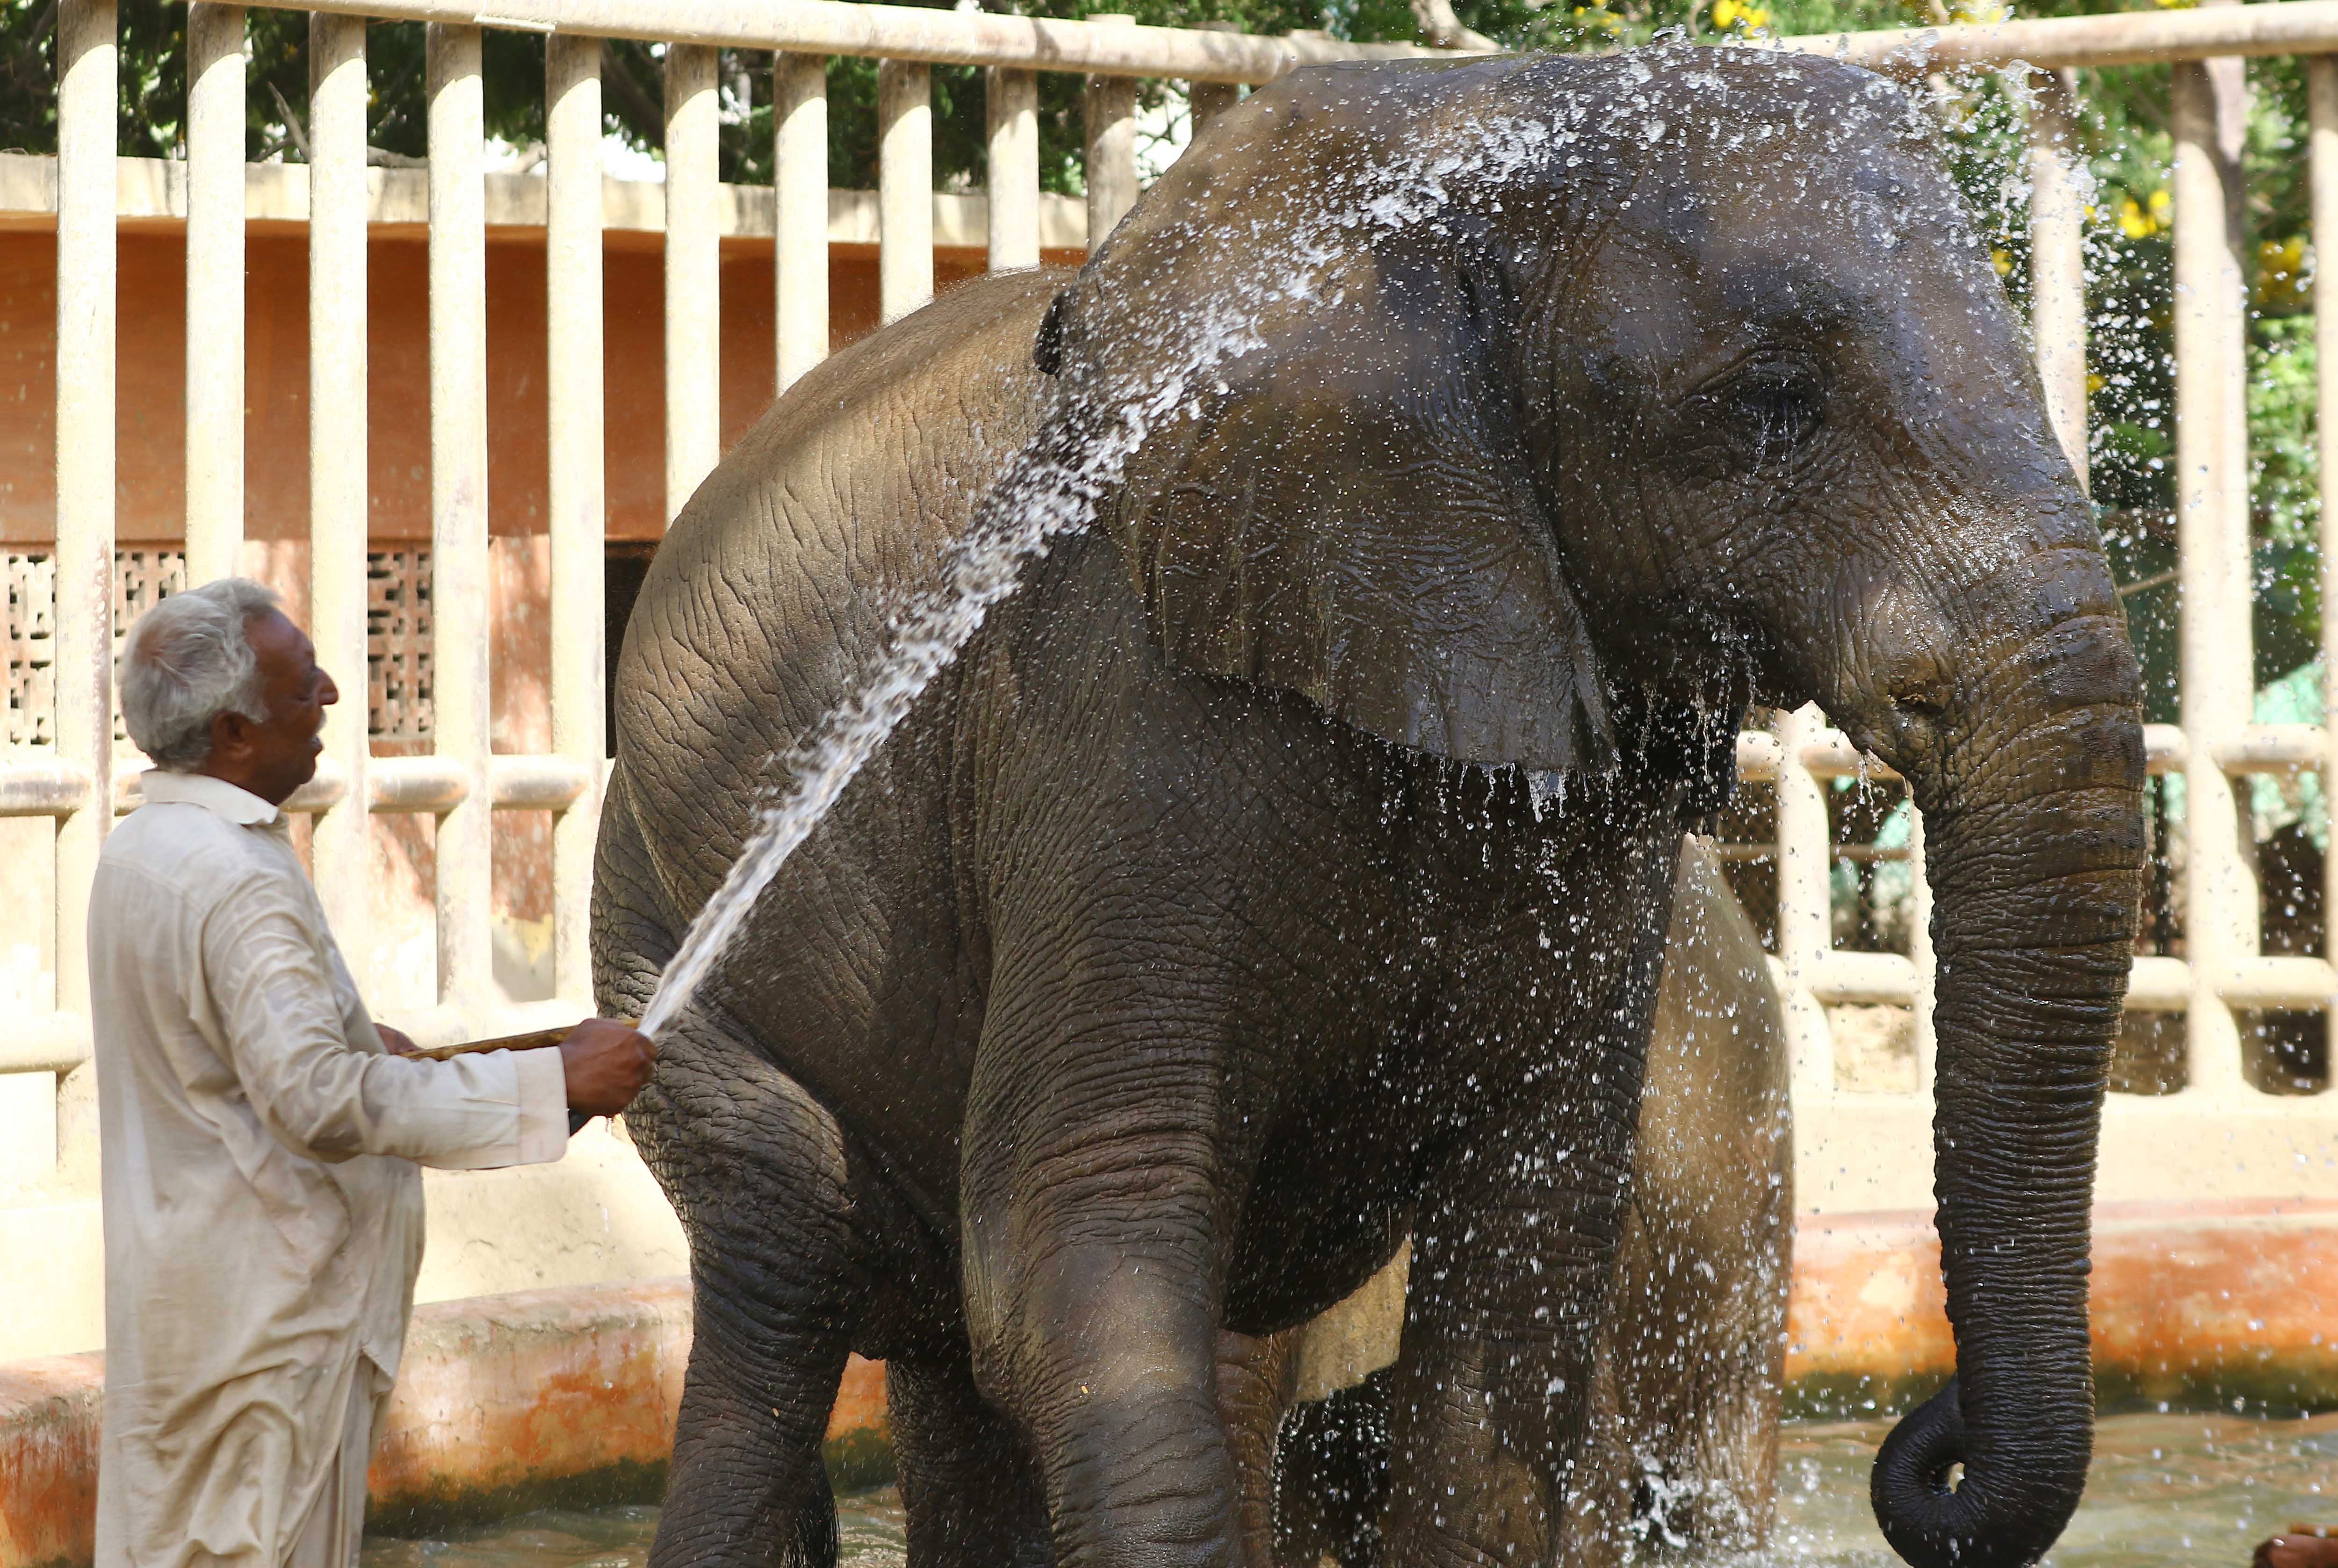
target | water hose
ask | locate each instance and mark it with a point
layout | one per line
(533, 1040)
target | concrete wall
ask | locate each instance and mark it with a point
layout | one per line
(505, 1404)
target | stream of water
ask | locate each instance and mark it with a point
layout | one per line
(2166, 1492)
(927, 635)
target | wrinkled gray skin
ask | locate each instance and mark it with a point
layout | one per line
(1683, 1442)
(1205, 929)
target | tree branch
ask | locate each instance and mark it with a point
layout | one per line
(627, 88)
(1443, 29)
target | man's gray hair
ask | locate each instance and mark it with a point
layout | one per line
(188, 661)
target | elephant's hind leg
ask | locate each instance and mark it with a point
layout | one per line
(780, 1211)
(762, 1179)
(969, 1484)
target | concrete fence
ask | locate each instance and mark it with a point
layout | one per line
(1863, 1142)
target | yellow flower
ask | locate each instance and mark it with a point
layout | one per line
(2281, 271)
(2095, 383)
(2001, 261)
(1728, 13)
(2140, 221)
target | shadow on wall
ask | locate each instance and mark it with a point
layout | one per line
(627, 563)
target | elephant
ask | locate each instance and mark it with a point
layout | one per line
(1402, 507)
(1683, 1445)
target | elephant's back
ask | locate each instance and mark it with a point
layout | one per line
(769, 598)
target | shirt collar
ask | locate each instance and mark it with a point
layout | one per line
(216, 796)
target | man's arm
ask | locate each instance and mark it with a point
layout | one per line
(285, 1036)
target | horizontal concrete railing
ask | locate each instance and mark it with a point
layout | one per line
(514, 782)
(2117, 38)
(1031, 43)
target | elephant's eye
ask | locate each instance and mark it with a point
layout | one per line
(1753, 421)
(1750, 422)
(1775, 407)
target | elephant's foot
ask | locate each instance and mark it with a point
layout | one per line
(1106, 1359)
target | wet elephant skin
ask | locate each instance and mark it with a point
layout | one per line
(1682, 1453)
(1285, 868)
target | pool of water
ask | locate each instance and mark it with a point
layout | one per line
(2166, 1492)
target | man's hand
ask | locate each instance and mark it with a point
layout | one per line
(397, 1042)
(2303, 1546)
(607, 1063)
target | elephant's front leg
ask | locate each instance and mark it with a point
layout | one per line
(1514, 1255)
(1092, 1225)
(1512, 1264)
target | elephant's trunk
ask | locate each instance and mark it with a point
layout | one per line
(2033, 848)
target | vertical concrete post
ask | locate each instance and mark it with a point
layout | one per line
(1111, 106)
(1805, 921)
(905, 187)
(2212, 521)
(214, 388)
(572, 365)
(87, 66)
(800, 177)
(1012, 105)
(460, 583)
(693, 273)
(2058, 265)
(2322, 119)
(337, 506)
(1206, 101)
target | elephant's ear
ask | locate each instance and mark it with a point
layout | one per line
(1349, 514)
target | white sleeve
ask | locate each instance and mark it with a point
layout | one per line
(321, 1097)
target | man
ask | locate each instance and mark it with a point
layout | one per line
(259, 1132)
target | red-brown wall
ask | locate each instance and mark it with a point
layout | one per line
(151, 360)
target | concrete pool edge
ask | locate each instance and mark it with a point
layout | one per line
(2194, 1304)
(512, 1402)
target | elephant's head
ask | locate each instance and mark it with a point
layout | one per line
(1485, 403)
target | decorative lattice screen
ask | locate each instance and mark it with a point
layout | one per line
(398, 644)
(32, 634)
(398, 637)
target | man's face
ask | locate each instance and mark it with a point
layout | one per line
(275, 756)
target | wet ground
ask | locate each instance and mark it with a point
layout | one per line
(2168, 1492)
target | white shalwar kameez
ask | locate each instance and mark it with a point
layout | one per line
(263, 1211)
